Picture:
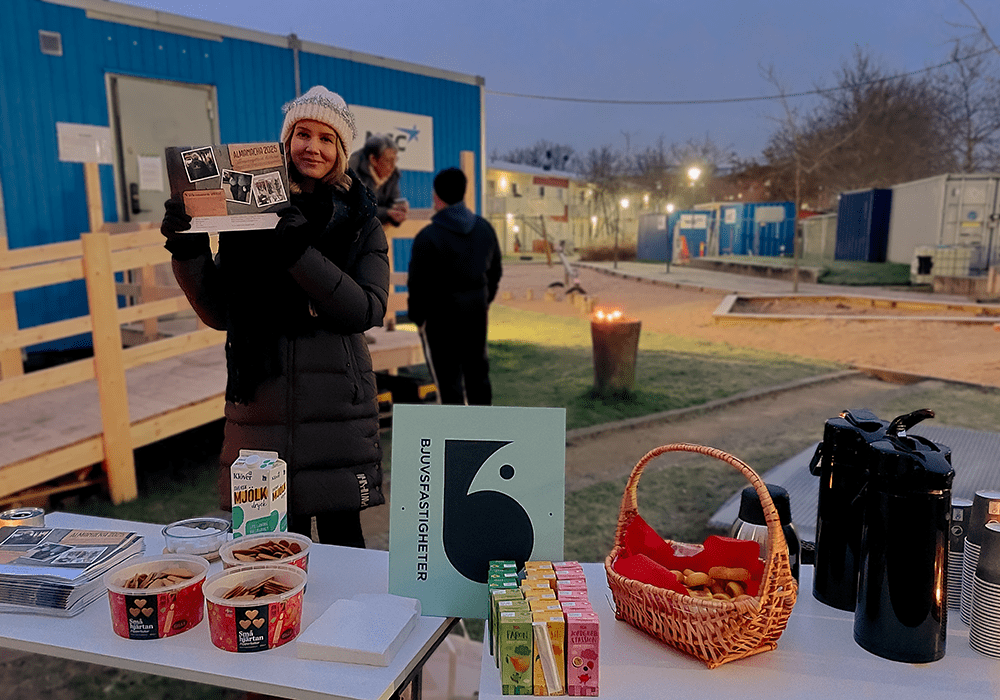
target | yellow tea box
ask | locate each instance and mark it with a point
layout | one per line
(259, 482)
(537, 565)
(541, 575)
(515, 650)
(549, 669)
(539, 584)
(544, 600)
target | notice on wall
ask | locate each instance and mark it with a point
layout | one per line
(84, 143)
(150, 173)
(471, 484)
(412, 133)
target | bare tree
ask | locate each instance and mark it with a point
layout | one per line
(871, 130)
(606, 169)
(806, 162)
(969, 106)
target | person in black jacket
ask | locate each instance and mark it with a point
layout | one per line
(455, 270)
(295, 302)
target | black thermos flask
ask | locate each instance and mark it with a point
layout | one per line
(902, 606)
(841, 462)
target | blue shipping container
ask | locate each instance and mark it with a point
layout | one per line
(765, 228)
(59, 63)
(655, 241)
(863, 225)
(690, 229)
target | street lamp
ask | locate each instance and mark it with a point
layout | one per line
(694, 172)
(670, 207)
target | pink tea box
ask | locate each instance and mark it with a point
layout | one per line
(583, 647)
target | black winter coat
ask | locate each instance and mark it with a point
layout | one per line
(455, 267)
(320, 412)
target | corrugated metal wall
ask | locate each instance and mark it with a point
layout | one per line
(756, 228)
(45, 200)
(863, 225)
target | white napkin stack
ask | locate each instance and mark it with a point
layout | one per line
(366, 629)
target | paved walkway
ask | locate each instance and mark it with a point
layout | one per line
(687, 276)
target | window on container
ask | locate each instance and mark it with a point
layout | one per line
(515, 190)
(491, 188)
(541, 191)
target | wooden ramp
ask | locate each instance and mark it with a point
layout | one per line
(79, 422)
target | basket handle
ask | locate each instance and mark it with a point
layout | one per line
(629, 508)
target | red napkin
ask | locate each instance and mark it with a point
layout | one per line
(648, 558)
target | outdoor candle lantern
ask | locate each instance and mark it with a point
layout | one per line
(616, 346)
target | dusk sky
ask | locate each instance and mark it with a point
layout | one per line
(632, 50)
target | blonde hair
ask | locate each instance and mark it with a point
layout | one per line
(337, 177)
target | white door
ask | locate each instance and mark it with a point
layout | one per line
(150, 115)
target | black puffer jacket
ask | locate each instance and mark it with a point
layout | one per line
(455, 268)
(320, 411)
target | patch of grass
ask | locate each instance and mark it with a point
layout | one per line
(845, 272)
(539, 360)
(856, 273)
(974, 408)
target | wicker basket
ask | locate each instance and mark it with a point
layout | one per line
(715, 631)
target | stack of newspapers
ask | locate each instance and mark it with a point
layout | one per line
(57, 571)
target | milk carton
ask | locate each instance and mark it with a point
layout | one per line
(260, 496)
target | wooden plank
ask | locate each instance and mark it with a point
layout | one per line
(468, 164)
(44, 333)
(21, 278)
(109, 366)
(134, 258)
(38, 254)
(50, 465)
(169, 347)
(10, 357)
(95, 208)
(178, 420)
(46, 380)
(139, 312)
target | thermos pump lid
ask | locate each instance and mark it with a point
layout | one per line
(752, 512)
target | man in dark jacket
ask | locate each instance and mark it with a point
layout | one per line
(375, 165)
(455, 269)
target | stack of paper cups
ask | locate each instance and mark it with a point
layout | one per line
(961, 510)
(985, 509)
(984, 630)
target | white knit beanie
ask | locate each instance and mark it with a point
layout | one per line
(323, 106)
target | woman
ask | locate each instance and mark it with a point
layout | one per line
(295, 303)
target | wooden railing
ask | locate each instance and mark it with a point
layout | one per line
(96, 258)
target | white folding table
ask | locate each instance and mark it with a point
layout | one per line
(334, 572)
(816, 658)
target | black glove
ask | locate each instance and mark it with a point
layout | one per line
(293, 235)
(183, 246)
